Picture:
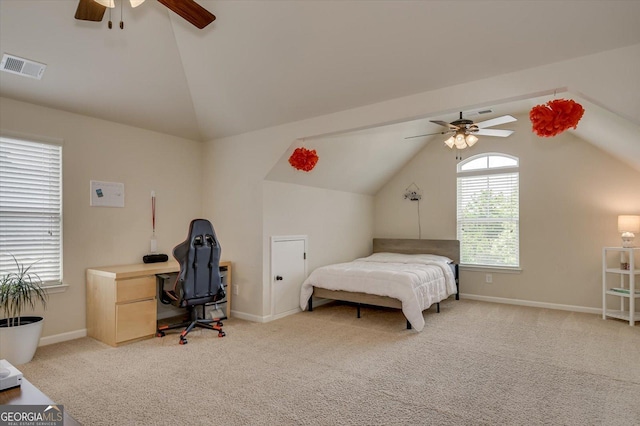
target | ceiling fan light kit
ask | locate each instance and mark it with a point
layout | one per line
(112, 3)
(471, 140)
(461, 141)
(465, 131)
(450, 142)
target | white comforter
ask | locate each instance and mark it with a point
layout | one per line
(417, 281)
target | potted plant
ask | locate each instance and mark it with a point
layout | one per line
(20, 335)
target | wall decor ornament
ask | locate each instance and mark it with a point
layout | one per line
(303, 159)
(555, 117)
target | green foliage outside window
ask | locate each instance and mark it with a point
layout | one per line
(488, 228)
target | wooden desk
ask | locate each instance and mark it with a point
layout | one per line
(28, 394)
(122, 302)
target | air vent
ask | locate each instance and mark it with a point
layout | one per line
(21, 66)
(476, 112)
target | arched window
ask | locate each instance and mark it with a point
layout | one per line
(488, 210)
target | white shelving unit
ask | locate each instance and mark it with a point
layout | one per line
(625, 288)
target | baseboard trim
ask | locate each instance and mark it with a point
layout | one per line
(267, 318)
(533, 304)
(62, 337)
(248, 317)
(283, 314)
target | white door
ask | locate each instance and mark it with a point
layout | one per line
(288, 271)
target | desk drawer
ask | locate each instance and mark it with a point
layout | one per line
(135, 289)
(135, 320)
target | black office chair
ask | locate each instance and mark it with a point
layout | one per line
(198, 282)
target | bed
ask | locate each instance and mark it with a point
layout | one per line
(389, 278)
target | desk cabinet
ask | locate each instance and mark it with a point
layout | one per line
(121, 300)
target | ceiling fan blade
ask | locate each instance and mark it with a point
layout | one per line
(191, 11)
(493, 132)
(427, 134)
(496, 121)
(89, 10)
(445, 124)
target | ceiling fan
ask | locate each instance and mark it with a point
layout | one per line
(464, 132)
(93, 10)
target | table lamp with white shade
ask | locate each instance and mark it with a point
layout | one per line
(627, 225)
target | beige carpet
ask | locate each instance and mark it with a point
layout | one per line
(474, 363)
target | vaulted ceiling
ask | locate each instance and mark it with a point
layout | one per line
(264, 63)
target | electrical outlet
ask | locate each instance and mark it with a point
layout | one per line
(488, 278)
(236, 290)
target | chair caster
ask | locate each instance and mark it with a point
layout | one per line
(160, 334)
(221, 334)
(183, 341)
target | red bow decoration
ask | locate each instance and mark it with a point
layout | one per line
(303, 159)
(555, 117)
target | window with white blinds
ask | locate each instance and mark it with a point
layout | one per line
(31, 207)
(488, 211)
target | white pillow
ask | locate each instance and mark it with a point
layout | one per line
(405, 258)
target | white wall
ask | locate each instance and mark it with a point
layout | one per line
(246, 211)
(339, 225)
(94, 236)
(230, 173)
(570, 195)
(237, 166)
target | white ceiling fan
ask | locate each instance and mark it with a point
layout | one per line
(464, 132)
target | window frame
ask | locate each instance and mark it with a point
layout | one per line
(489, 171)
(52, 285)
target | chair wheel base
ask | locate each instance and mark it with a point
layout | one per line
(215, 325)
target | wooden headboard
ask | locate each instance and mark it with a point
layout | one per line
(449, 248)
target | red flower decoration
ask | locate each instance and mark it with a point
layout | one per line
(555, 117)
(303, 159)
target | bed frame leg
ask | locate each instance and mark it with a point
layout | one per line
(310, 304)
(358, 306)
(457, 282)
(408, 325)
(438, 307)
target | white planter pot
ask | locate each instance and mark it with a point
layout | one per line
(18, 344)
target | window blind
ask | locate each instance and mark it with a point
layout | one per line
(31, 207)
(488, 219)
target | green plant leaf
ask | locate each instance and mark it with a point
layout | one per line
(19, 290)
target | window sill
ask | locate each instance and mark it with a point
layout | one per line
(494, 269)
(55, 288)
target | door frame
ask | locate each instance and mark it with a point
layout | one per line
(272, 278)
